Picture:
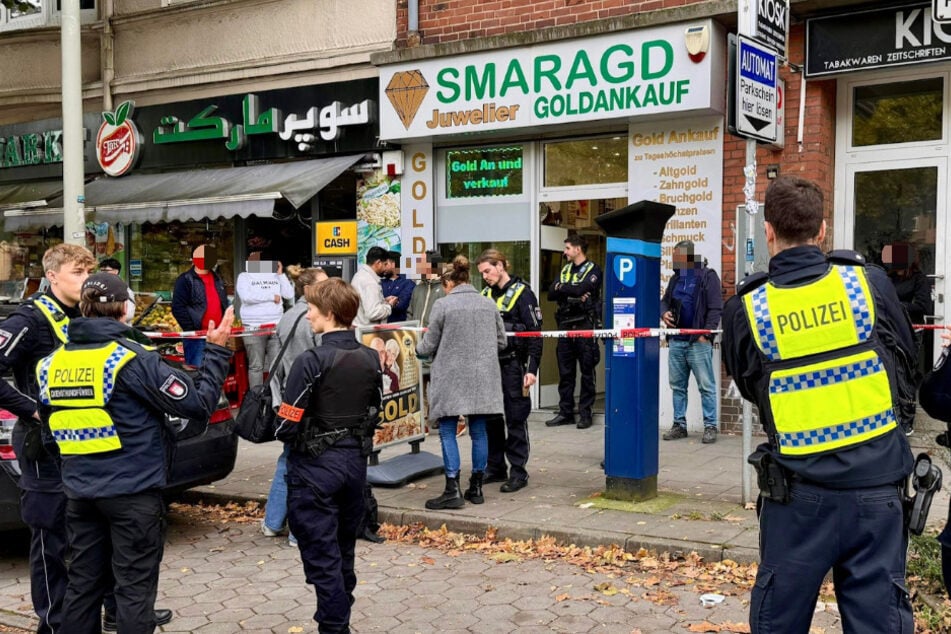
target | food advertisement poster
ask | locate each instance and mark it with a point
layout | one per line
(402, 419)
(378, 214)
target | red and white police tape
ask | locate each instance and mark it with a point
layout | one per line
(240, 331)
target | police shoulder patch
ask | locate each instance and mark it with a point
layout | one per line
(538, 313)
(5, 338)
(594, 279)
(174, 388)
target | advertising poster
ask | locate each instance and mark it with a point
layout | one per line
(378, 214)
(402, 403)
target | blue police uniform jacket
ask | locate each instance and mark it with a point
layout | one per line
(883, 460)
(26, 336)
(145, 389)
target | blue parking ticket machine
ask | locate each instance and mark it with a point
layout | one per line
(632, 299)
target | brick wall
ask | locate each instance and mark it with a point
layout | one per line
(452, 20)
(815, 161)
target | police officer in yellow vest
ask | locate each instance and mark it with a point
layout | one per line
(519, 363)
(104, 397)
(821, 345)
(578, 293)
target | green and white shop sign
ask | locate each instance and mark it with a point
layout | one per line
(668, 69)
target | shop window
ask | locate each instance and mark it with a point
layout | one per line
(595, 161)
(163, 251)
(28, 14)
(901, 112)
(518, 255)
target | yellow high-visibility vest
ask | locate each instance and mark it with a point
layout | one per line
(566, 276)
(828, 388)
(506, 301)
(78, 384)
(58, 320)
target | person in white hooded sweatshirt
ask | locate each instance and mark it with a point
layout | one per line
(261, 297)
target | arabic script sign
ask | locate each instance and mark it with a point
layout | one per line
(207, 126)
(119, 141)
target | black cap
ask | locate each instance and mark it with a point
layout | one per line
(108, 287)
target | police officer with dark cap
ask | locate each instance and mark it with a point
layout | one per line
(821, 344)
(578, 293)
(519, 363)
(328, 415)
(104, 397)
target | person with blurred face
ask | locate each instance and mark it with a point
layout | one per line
(198, 299)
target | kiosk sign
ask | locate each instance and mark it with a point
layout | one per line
(756, 68)
(941, 11)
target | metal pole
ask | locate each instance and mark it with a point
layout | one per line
(74, 221)
(747, 406)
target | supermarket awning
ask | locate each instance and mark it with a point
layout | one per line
(213, 193)
(24, 205)
(186, 195)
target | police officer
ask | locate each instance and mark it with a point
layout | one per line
(104, 398)
(578, 293)
(34, 330)
(327, 416)
(519, 363)
(820, 344)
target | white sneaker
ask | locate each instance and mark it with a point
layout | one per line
(267, 532)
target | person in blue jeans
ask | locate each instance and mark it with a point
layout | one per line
(463, 340)
(692, 300)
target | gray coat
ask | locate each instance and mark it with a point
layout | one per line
(304, 339)
(464, 338)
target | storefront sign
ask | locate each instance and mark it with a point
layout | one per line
(206, 126)
(879, 38)
(639, 72)
(766, 21)
(118, 142)
(681, 164)
(417, 227)
(336, 237)
(31, 149)
(941, 11)
(493, 171)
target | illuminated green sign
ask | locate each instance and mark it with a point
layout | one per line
(495, 171)
(31, 149)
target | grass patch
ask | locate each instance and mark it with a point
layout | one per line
(926, 584)
(653, 506)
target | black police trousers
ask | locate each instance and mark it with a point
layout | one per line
(508, 436)
(45, 513)
(325, 512)
(124, 535)
(859, 534)
(573, 352)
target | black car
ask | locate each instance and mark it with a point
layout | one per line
(204, 452)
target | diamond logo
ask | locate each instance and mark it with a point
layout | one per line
(406, 91)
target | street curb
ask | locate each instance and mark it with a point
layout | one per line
(509, 529)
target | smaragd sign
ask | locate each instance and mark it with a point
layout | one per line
(667, 69)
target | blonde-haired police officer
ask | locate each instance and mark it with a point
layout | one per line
(822, 345)
(105, 395)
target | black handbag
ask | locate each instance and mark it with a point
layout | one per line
(256, 418)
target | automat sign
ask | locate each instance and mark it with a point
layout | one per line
(755, 91)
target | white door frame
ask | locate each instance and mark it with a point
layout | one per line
(852, 160)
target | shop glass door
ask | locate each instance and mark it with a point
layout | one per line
(898, 213)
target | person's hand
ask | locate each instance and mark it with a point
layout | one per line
(220, 334)
(585, 297)
(528, 380)
(668, 318)
(277, 299)
(392, 299)
(703, 339)
(946, 335)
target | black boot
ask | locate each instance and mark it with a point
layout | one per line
(451, 498)
(474, 492)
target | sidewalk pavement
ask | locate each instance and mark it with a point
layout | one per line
(699, 506)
